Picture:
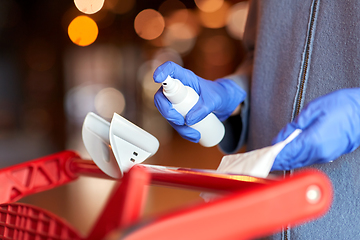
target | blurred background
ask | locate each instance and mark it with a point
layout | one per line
(61, 59)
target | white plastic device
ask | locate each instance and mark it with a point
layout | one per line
(95, 134)
(183, 98)
(131, 144)
(117, 146)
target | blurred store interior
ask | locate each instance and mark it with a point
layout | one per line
(51, 76)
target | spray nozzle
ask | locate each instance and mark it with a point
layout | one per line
(170, 84)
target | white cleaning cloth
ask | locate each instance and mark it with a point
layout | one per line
(256, 163)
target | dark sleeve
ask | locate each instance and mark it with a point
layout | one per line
(236, 126)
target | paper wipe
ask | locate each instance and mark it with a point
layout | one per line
(257, 163)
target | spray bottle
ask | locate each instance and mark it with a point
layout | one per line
(183, 98)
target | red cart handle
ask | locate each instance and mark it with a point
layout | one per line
(247, 214)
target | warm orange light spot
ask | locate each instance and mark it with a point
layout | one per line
(83, 31)
(215, 19)
(149, 24)
(186, 17)
(209, 5)
(180, 37)
(179, 16)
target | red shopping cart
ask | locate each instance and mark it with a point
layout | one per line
(251, 207)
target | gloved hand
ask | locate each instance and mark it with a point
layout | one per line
(331, 127)
(220, 97)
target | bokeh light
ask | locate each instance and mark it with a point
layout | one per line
(215, 19)
(236, 19)
(182, 29)
(178, 16)
(149, 24)
(108, 101)
(89, 6)
(119, 6)
(180, 37)
(184, 16)
(209, 5)
(80, 100)
(83, 31)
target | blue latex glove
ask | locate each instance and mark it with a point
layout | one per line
(331, 127)
(220, 97)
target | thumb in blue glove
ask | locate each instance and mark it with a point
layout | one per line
(331, 127)
(220, 97)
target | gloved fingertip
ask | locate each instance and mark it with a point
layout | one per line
(192, 119)
(175, 117)
(194, 140)
(242, 95)
(168, 112)
(193, 136)
(187, 132)
(161, 72)
(197, 113)
(159, 77)
(177, 121)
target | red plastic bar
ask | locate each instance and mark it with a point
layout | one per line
(125, 204)
(60, 168)
(35, 176)
(84, 167)
(203, 180)
(195, 179)
(246, 214)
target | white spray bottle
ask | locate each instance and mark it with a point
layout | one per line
(183, 98)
